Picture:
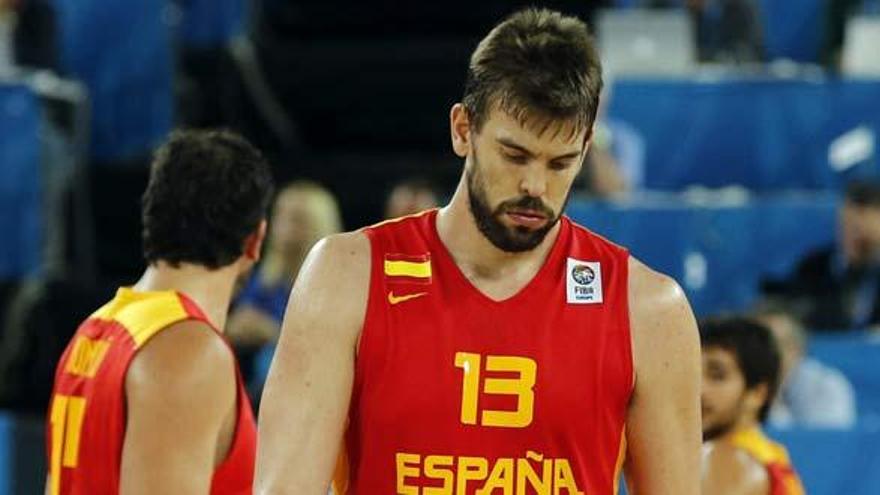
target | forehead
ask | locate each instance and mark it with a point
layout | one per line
(535, 131)
(720, 357)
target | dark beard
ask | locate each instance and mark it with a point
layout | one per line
(511, 240)
(718, 431)
(722, 429)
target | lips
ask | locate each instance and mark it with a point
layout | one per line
(527, 218)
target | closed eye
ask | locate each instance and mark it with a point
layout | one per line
(516, 158)
(559, 166)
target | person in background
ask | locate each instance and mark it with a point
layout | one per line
(410, 196)
(728, 31)
(615, 163)
(303, 213)
(811, 394)
(836, 287)
(741, 371)
(28, 37)
(837, 14)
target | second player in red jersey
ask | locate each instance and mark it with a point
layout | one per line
(147, 396)
(741, 370)
(491, 347)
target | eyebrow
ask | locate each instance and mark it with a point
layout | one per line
(510, 144)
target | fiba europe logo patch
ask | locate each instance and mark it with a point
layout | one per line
(583, 282)
(583, 274)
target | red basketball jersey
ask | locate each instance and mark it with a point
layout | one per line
(457, 393)
(87, 417)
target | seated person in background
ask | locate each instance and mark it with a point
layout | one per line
(615, 163)
(303, 213)
(836, 287)
(410, 196)
(837, 14)
(811, 394)
(728, 31)
(741, 366)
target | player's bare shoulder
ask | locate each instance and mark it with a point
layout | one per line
(653, 295)
(663, 327)
(185, 356)
(728, 470)
(333, 283)
(659, 310)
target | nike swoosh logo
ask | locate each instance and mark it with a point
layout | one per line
(407, 297)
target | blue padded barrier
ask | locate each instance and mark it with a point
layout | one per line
(718, 252)
(763, 134)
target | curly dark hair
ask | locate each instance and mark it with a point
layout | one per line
(536, 63)
(754, 348)
(208, 190)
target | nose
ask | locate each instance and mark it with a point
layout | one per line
(534, 181)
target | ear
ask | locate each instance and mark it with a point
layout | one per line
(460, 130)
(756, 396)
(253, 244)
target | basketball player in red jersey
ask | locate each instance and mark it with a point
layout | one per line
(147, 396)
(492, 346)
(740, 378)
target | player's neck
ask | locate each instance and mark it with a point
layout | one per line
(211, 290)
(472, 251)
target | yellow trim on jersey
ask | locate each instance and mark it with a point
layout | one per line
(398, 219)
(414, 269)
(621, 457)
(143, 314)
(760, 447)
(341, 476)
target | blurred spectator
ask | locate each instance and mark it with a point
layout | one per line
(27, 35)
(837, 14)
(836, 287)
(303, 213)
(727, 30)
(410, 196)
(615, 163)
(811, 394)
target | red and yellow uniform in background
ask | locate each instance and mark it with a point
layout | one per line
(456, 393)
(774, 457)
(87, 417)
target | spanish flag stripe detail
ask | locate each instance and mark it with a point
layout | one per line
(408, 269)
(143, 314)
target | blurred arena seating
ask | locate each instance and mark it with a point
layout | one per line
(762, 133)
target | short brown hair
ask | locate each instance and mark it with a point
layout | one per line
(536, 63)
(208, 190)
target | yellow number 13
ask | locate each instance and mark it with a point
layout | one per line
(522, 387)
(67, 418)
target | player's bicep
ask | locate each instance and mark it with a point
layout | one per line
(663, 424)
(305, 401)
(179, 390)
